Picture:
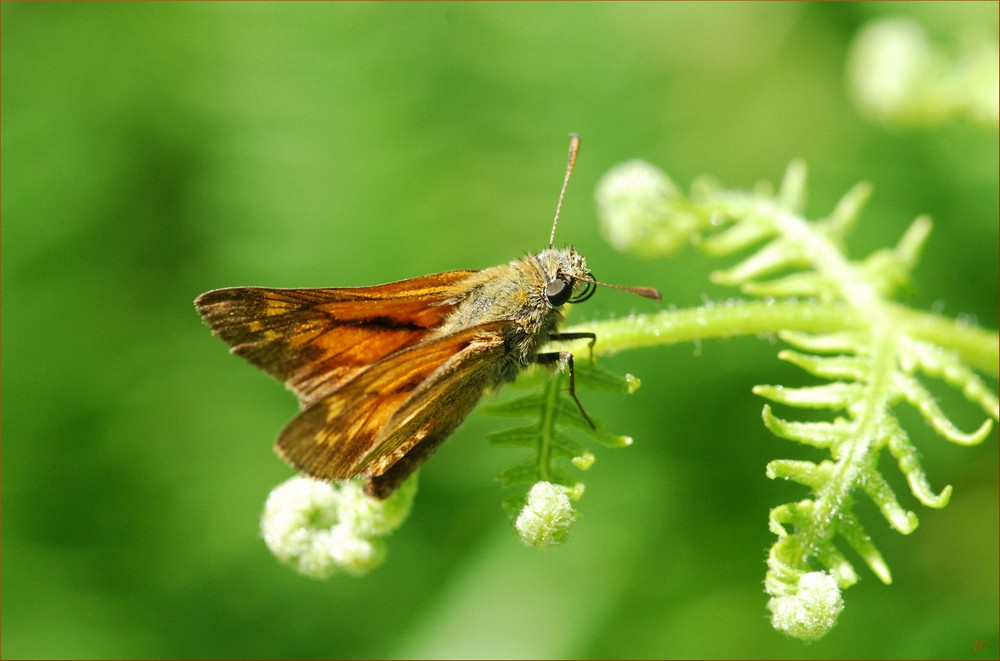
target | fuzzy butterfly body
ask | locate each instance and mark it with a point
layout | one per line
(385, 374)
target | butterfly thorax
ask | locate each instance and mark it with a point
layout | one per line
(515, 294)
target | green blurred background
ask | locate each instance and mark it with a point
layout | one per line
(155, 151)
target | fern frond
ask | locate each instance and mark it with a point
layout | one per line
(869, 354)
(555, 452)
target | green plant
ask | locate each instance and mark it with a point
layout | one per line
(544, 515)
(896, 76)
(839, 317)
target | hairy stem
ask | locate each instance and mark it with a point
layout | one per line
(975, 346)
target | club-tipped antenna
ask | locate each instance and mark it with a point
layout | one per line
(574, 148)
(645, 292)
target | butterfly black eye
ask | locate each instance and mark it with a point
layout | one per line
(558, 292)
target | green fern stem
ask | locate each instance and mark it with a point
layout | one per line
(975, 346)
(847, 475)
(546, 437)
(871, 353)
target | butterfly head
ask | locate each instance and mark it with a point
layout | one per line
(567, 278)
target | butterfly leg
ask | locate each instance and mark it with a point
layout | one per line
(566, 358)
(566, 337)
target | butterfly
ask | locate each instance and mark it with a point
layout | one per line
(385, 374)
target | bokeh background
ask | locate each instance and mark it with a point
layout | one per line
(155, 151)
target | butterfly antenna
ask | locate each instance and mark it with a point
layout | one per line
(574, 148)
(645, 292)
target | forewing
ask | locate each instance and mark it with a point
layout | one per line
(317, 339)
(439, 404)
(371, 421)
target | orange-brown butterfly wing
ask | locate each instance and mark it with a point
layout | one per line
(416, 396)
(317, 339)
